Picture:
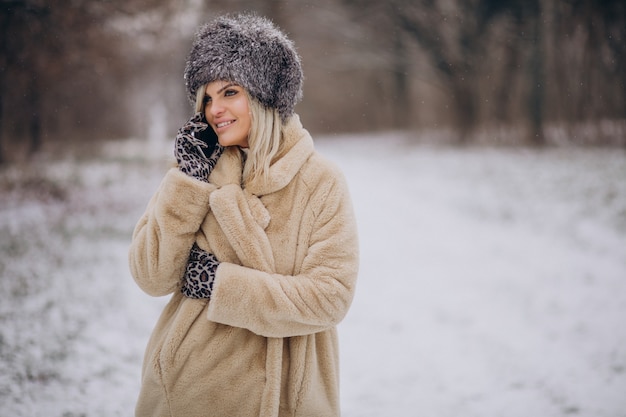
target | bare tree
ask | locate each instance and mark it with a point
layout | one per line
(87, 69)
(52, 50)
(451, 34)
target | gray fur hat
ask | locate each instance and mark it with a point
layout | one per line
(252, 52)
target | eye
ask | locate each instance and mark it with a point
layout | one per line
(206, 100)
(230, 92)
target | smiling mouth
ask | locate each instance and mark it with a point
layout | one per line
(223, 124)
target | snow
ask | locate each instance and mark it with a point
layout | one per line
(493, 281)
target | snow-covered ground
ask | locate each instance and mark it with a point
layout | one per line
(493, 281)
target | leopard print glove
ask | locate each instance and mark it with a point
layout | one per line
(199, 274)
(188, 150)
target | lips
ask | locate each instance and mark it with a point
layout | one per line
(224, 124)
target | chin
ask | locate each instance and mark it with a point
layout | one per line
(232, 142)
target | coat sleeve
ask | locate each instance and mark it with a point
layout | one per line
(165, 233)
(313, 300)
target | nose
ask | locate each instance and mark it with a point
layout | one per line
(215, 107)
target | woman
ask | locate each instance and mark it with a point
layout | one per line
(254, 236)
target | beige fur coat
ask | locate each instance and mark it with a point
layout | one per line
(266, 343)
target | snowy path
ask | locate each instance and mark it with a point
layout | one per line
(493, 284)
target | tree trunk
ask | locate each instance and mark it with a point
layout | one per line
(4, 23)
(35, 121)
(402, 91)
(464, 108)
(537, 85)
(2, 96)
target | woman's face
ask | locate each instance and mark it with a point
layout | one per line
(227, 111)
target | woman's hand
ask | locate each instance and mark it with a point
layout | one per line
(188, 150)
(199, 274)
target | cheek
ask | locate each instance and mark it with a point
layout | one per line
(244, 109)
(244, 115)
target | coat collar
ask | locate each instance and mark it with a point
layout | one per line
(297, 148)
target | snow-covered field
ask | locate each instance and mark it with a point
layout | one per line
(493, 281)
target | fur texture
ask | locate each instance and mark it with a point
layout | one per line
(252, 52)
(266, 343)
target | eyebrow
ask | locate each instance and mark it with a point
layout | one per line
(222, 89)
(225, 87)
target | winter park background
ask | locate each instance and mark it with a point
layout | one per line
(479, 294)
(484, 143)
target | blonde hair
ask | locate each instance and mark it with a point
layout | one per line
(264, 138)
(200, 99)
